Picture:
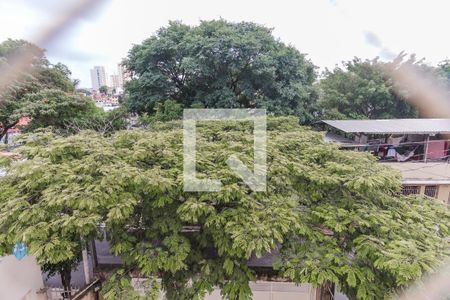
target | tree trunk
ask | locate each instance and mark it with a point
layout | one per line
(66, 277)
(325, 291)
(5, 129)
(2, 135)
(87, 271)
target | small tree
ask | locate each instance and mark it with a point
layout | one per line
(57, 109)
(103, 89)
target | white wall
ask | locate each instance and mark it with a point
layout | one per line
(19, 280)
(268, 290)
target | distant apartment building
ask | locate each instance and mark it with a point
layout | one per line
(123, 74)
(120, 74)
(98, 77)
(114, 81)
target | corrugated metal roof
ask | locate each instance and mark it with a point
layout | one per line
(392, 126)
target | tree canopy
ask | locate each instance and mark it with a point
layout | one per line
(332, 215)
(103, 89)
(362, 89)
(219, 64)
(56, 108)
(443, 70)
(43, 92)
(443, 73)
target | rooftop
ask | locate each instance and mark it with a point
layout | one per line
(392, 126)
(423, 173)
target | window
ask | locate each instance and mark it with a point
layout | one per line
(431, 191)
(410, 190)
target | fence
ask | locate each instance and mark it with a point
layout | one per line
(60, 293)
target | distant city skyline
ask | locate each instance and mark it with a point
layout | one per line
(100, 77)
(327, 31)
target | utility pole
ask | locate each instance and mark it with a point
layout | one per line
(425, 156)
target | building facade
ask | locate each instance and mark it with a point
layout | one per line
(418, 148)
(98, 77)
(114, 81)
(431, 179)
(124, 74)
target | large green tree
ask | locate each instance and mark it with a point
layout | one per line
(41, 86)
(362, 89)
(220, 65)
(335, 216)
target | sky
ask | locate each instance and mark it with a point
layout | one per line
(327, 31)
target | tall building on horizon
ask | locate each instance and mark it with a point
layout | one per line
(120, 74)
(123, 73)
(98, 77)
(115, 81)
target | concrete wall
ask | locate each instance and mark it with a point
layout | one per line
(443, 192)
(20, 280)
(263, 290)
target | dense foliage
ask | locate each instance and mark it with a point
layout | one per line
(443, 72)
(168, 110)
(219, 64)
(334, 216)
(43, 91)
(362, 89)
(104, 122)
(56, 108)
